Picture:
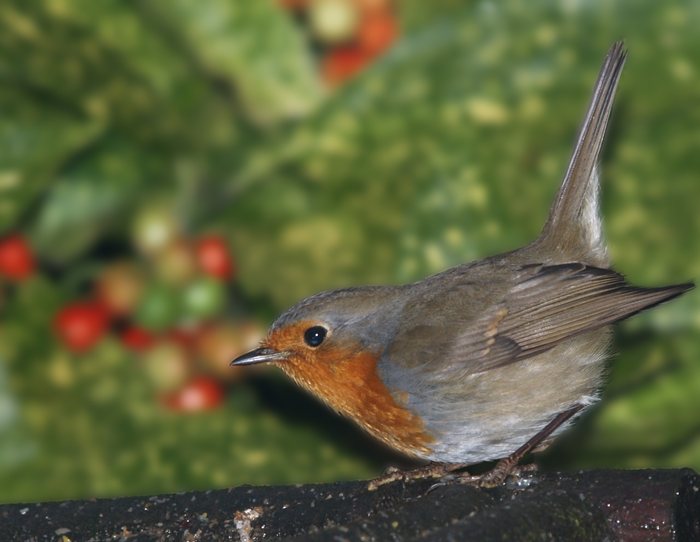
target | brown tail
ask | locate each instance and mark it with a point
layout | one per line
(573, 228)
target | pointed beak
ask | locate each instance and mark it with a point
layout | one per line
(260, 355)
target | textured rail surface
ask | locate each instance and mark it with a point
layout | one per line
(595, 505)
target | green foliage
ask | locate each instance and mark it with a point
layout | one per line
(268, 69)
(35, 143)
(449, 148)
(90, 195)
(453, 146)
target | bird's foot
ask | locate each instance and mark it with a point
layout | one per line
(494, 477)
(433, 470)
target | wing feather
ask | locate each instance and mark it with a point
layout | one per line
(545, 306)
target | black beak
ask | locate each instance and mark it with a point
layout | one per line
(260, 355)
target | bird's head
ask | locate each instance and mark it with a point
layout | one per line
(328, 328)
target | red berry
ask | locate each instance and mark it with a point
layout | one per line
(200, 394)
(213, 257)
(136, 338)
(16, 259)
(341, 63)
(81, 325)
(377, 31)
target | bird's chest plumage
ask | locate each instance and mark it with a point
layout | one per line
(347, 380)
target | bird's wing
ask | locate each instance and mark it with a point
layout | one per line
(545, 306)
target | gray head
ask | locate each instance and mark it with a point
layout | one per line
(353, 318)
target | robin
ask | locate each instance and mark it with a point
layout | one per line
(487, 360)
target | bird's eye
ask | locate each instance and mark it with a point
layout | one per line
(314, 335)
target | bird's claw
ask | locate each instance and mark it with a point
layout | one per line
(496, 476)
(433, 470)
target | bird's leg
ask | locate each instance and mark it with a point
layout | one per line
(492, 478)
(509, 465)
(432, 470)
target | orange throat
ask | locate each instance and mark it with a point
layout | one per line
(348, 382)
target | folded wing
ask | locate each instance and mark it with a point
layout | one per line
(547, 306)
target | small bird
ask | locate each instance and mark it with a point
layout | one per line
(487, 360)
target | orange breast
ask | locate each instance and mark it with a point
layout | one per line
(347, 380)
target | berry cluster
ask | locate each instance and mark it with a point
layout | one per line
(166, 306)
(348, 33)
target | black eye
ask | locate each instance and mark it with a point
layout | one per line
(314, 335)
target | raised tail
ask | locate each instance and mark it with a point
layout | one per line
(573, 229)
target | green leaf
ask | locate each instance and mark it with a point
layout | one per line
(119, 27)
(16, 447)
(34, 143)
(91, 195)
(254, 48)
(60, 59)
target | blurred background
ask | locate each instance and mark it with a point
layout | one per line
(174, 174)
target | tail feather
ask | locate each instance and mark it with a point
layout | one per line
(573, 228)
